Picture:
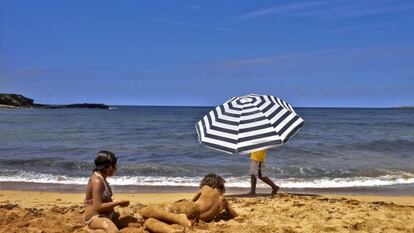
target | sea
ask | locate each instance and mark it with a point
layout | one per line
(158, 146)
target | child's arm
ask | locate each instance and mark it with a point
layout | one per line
(195, 198)
(98, 204)
(229, 209)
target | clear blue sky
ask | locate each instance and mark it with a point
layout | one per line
(355, 53)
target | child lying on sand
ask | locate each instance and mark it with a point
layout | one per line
(207, 204)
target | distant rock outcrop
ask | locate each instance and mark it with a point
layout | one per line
(84, 105)
(15, 100)
(20, 101)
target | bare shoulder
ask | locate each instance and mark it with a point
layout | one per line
(206, 188)
(96, 182)
(210, 191)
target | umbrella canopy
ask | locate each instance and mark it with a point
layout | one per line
(248, 123)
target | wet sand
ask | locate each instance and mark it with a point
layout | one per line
(34, 211)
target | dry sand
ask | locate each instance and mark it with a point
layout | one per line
(23, 211)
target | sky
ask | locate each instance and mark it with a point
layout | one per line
(310, 53)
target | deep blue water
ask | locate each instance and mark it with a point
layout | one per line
(337, 147)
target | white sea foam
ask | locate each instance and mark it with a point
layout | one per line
(230, 181)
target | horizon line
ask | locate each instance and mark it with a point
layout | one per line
(212, 106)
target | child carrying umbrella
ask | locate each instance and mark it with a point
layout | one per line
(257, 165)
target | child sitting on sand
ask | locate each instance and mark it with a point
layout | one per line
(207, 204)
(257, 165)
(99, 206)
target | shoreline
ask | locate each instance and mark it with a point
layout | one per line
(398, 190)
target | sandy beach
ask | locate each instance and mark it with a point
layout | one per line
(31, 211)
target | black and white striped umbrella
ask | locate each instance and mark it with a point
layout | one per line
(248, 123)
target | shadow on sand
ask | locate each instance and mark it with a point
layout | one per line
(271, 195)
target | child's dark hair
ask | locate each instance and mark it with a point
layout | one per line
(104, 159)
(213, 180)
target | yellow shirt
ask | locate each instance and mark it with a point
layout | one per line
(258, 155)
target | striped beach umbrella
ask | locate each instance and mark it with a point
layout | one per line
(248, 123)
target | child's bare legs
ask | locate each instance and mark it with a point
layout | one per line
(163, 215)
(253, 181)
(103, 223)
(268, 181)
(128, 221)
(157, 226)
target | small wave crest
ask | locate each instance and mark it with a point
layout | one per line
(242, 182)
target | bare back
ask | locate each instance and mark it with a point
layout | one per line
(211, 203)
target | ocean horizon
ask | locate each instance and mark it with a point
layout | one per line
(338, 147)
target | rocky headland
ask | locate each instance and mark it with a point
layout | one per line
(20, 101)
